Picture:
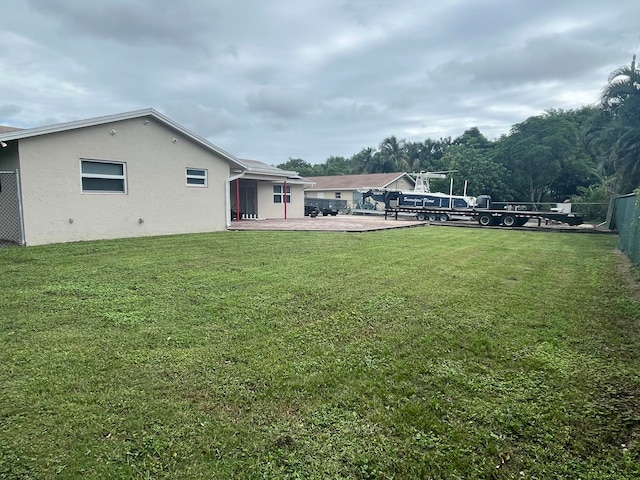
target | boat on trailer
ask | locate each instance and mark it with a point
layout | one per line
(422, 196)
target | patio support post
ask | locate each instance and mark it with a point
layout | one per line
(227, 200)
(237, 199)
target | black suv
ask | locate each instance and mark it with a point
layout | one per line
(311, 210)
(330, 210)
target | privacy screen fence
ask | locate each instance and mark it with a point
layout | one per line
(624, 216)
(11, 224)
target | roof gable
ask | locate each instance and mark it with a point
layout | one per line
(352, 182)
(17, 134)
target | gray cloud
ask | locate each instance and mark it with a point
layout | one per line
(284, 78)
(541, 59)
(183, 24)
(8, 110)
(278, 102)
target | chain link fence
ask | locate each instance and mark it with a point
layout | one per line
(11, 225)
(624, 216)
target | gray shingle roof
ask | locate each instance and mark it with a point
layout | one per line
(7, 129)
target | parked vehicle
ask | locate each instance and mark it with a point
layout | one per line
(485, 214)
(329, 210)
(427, 205)
(421, 196)
(325, 206)
(513, 216)
(311, 210)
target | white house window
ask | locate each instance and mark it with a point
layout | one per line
(196, 177)
(103, 177)
(338, 194)
(278, 193)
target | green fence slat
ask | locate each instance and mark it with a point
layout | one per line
(627, 222)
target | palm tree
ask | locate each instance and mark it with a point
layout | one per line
(414, 155)
(375, 164)
(620, 103)
(395, 155)
(623, 83)
(362, 160)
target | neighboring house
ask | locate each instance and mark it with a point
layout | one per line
(130, 175)
(345, 187)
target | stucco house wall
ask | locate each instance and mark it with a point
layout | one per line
(401, 184)
(269, 209)
(157, 201)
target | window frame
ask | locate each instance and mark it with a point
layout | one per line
(277, 195)
(192, 176)
(121, 177)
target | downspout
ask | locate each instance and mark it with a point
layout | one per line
(227, 197)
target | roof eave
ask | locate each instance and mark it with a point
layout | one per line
(399, 177)
(147, 112)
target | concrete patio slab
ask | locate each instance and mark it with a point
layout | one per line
(368, 223)
(339, 223)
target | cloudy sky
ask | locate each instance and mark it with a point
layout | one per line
(279, 79)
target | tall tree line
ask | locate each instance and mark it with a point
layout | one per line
(585, 154)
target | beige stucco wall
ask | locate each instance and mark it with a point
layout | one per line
(402, 184)
(56, 210)
(346, 195)
(268, 209)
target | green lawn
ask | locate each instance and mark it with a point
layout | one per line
(413, 353)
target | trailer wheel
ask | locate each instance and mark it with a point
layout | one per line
(443, 217)
(433, 217)
(509, 220)
(421, 216)
(485, 219)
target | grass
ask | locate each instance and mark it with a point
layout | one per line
(417, 353)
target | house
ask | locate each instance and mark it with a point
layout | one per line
(345, 187)
(130, 175)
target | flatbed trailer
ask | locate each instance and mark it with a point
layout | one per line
(485, 217)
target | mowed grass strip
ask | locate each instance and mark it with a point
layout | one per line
(414, 353)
